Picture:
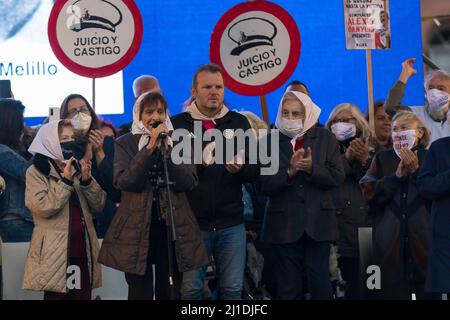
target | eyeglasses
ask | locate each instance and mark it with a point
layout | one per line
(73, 112)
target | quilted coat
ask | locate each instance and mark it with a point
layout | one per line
(47, 197)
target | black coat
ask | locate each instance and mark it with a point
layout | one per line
(304, 204)
(217, 200)
(126, 244)
(352, 207)
(434, 184)
(400, 220)
(103, 174)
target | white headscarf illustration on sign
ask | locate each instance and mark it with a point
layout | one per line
(105, 16)
(251, 32)
(257, 44)
(95, 38)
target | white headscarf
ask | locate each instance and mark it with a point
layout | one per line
(139, 128)
(192, 109)
(312, 113)
(47, 142)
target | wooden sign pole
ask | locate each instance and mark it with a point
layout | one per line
(264, 111)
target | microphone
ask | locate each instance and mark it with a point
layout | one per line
(162, 135)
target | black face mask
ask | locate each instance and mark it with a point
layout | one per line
(72, 149)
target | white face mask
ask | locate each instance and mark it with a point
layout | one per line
(291, 128)
(343, 130)
(403, 139)
(81, 122)
(438, 102)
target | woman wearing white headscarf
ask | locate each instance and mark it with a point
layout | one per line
(300, 218)
(138, 236)
(62, 195)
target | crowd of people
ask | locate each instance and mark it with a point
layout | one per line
(169, 225)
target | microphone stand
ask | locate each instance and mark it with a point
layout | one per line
(170, 226)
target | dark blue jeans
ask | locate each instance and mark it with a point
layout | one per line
(228, 247)
(16, 230)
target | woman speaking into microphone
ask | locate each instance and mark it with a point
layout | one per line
(137, 237)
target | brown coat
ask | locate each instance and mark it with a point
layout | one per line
(126, 244)
(47, 197)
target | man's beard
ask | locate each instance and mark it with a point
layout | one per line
(14, 15)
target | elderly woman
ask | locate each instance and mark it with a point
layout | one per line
(62, 196)
(300, 218)
(91, 144)
(400, 213)
(353, 133)
(138, 236)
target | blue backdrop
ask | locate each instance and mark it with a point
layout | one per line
(177, 35)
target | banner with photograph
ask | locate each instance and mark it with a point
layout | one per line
(367, 24)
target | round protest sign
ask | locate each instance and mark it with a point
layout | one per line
(257, 44)
(95, 38)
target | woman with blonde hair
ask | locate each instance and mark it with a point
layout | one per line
(256, 123)
(401, 215)
(353, 133)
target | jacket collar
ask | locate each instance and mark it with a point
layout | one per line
(44, 166)
(226, 118)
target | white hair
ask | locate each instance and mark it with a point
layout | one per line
(433, 74)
